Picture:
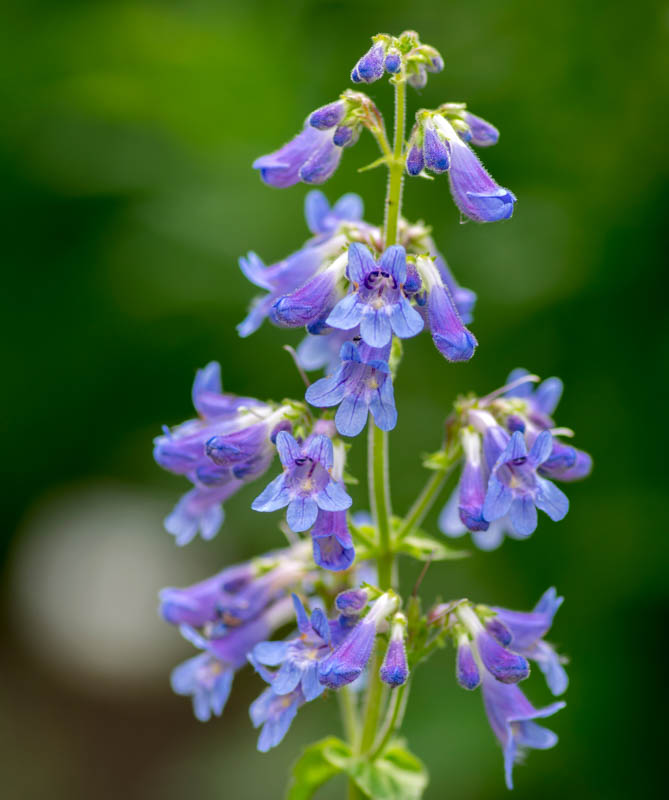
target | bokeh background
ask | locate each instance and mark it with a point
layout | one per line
(129, 127)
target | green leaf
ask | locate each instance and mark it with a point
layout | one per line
(318, 763)
(396, 775)
(424, 547)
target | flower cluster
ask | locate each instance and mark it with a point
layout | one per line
(229, 444)
(512, 453)
(440, 143)
(359, 290)
(494, 647)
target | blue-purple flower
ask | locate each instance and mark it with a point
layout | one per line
(207, 677)
(395, 667)
(306, 484)
(349, 658)
(502, 663)
(311, 157)
(332, 542)
(512, 719)
(515, 488)
(525, 636)
(377, 303)
(438, 147)
(228, 445)
(292, 272)
(200, 603)
(274, 713)
(362, 384)
(453, 340)
(371, 66)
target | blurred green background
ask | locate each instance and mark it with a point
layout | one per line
(129, 127)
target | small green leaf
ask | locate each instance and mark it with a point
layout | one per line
(438, 461)
(348, 478)
(420, 545)
(318, 763)
(396, 775)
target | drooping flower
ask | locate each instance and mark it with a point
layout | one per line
(466, 670)
(395, 668)
(347, 661)
(453, 340)
(377, 303)
(332, 542)
(370, 67)
(310, 157)
(362, 384)
(437, 146)
(306, 484)
(526, 631)
(228, 445)
(199, 603)
(503, 664)
(512, 719)
(292, 272)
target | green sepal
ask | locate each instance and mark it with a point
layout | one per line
(350, 479)
(439, 461)
(318, 763)
(395, 775)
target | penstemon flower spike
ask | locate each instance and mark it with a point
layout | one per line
(326, 614)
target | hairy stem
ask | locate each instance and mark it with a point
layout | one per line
(396, 167)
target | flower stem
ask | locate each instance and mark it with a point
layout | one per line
(379, 498)
(424, 502)
(396, 167)
(392, 719)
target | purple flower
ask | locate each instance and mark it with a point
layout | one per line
(306, 484)
(297, 659)
(347, 661)
(198, 604)
(393, 62)
(466, 669)
(207, 680)
(480, 133)
(395, 668)
(541, 400)
(475, 193)
(526, 631)
(415, 160)
(292, 272)
(310, 304)
(511, 717)
(311, 157)
(451, 524)
(453, 340)
(332, 543)
(208, 676)
(473, 483)
(514, 487)
(436, 150)
(218, 452)
(503, 664)
(370, 67)
(377, 303)
(328, 116)
(361, 384)
(275, 714)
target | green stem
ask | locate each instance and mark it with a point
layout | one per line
(396, 167)
(391, 722)
(379, 498)
(424, 502)
(349, 715)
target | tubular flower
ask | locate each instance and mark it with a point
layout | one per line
(292, 272)
(228, 445)
(347, 661)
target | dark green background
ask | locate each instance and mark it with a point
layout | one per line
(128, 131)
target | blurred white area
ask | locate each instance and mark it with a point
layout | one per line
(86, 572)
